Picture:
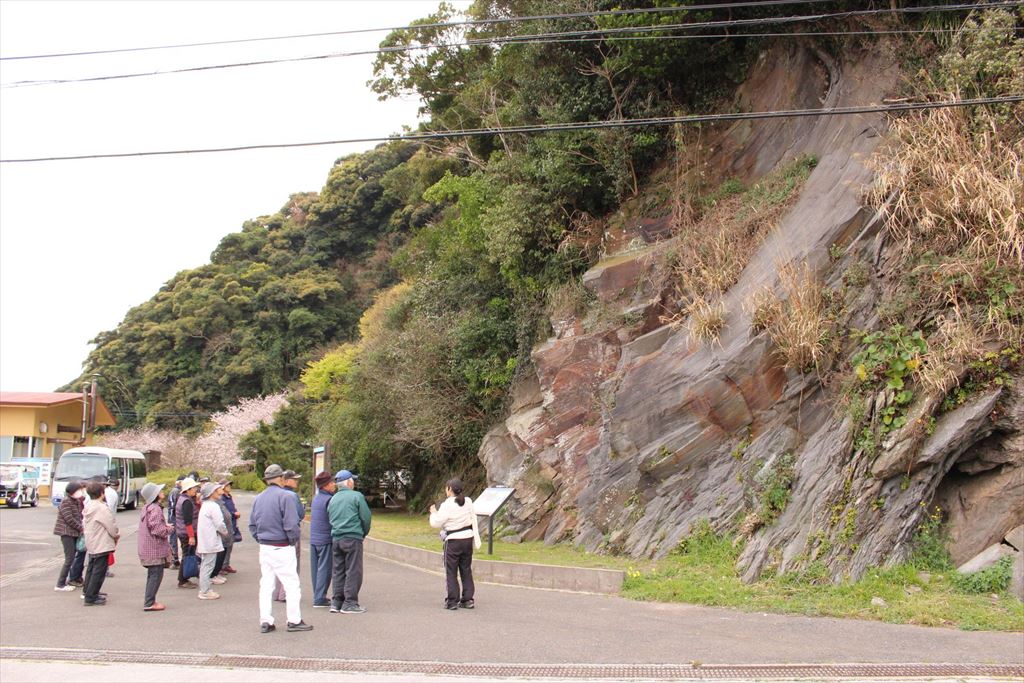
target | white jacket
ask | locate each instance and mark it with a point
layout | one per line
(451, 515)
(210, 528)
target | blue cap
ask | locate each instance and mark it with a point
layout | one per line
(344, 475)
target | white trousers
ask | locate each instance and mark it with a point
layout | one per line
(279, 562)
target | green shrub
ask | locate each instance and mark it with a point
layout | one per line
(929, 546)
(994, 579)
(248, 481)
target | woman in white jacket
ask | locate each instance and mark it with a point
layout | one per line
(457, 520)
(211, 529)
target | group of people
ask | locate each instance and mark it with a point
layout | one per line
(87, 525)
(200, 527)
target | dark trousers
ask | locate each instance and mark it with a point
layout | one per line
(68, 544)
(154, 576)
(172, 540)
(458, 562)
(348, 570)
(77, 567)
(95, 575)
(218, 564)
(186, 550)
(320, 557)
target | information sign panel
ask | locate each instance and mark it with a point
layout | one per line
(491, 499)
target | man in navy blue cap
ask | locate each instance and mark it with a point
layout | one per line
(350, 522)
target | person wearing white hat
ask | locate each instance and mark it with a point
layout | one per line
(211, 531)
(184, 527)
(152, 538)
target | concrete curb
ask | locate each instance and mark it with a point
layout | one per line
(578, 579)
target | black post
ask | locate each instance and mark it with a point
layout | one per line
(490, 535)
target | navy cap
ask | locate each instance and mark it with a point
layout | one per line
(344, 475)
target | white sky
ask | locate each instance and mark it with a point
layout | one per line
(81, 242)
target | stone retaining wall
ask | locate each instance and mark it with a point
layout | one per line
(584, 580)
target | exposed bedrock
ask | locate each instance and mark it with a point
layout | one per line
(622, 439)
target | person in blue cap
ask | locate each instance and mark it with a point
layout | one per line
(350, 522)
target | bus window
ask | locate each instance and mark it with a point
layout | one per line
(84, 466)
(114, 472)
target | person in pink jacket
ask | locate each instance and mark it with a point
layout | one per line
(101, 536)
(153, 546)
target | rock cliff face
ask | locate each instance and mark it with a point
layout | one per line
(623, 438)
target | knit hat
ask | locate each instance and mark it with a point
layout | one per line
(150, 492)
(323, 477)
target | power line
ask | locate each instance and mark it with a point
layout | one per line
(585, 35)
(454, 24)
(687, 36)
(562, 127)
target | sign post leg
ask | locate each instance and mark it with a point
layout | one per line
(490, 535)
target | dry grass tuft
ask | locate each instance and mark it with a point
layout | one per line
(764, 309)
(958, 189)
(711, 250)
(706, 320)
(801, 324)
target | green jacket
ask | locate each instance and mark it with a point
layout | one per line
(349, 514)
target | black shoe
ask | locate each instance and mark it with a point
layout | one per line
(451, 605)
(301, 626)
(267, 628)
(353, 608)
(335, 609)
(322, 603)
(76, 584)
(175, 564)
(97, 601)
(467, 604)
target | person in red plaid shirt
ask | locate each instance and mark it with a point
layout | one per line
(153, 548)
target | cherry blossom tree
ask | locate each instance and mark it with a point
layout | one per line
(217, 449)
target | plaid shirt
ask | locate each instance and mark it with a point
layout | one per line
(152, 535)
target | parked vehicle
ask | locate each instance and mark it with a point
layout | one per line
(127, 468)
(19, 485)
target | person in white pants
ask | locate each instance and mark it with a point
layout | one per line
(274, 524)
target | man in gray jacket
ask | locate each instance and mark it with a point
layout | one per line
(274, 524)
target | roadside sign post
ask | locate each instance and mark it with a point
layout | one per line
(487, 505)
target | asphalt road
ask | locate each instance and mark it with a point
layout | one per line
(406, 621)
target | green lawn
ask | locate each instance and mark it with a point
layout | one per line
(415, 530)
(705, 574)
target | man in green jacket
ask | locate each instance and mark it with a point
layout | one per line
(350, 522)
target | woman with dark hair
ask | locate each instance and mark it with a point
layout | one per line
(457, 520)
(154, 553)
(69, 528)
(101, 536)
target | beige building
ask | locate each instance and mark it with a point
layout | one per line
(44, 425)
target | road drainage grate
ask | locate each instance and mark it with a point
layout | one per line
(685, 672)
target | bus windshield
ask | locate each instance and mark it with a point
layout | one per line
(80, 467)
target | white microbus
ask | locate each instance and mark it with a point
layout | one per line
(127, 468)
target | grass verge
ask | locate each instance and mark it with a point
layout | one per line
(703, 572)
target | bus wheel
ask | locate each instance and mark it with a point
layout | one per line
(15, 502)
(130, 505)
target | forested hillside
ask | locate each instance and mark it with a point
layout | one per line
(402, 301)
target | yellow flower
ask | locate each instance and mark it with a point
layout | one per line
(862, 372)
(913, 363)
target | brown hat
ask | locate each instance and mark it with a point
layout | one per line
(323, 478)
(291, 474)
(225, 482)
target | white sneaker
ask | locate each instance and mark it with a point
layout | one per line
(218, 580)
(208, 595)
(63, 589)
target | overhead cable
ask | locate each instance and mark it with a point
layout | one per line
(452, 24)
(560, 127)
(589, 39)
(583, 35)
